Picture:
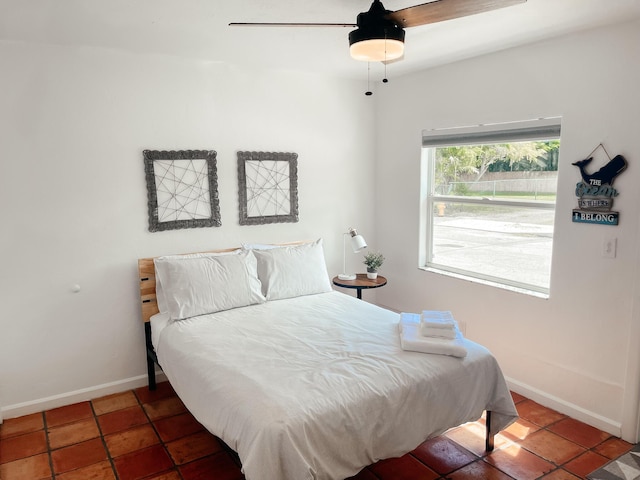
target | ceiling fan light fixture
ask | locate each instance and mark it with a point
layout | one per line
(377, 38)
(377, 49)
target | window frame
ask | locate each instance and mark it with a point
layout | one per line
(529, 130)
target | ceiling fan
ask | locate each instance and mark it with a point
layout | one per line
(379, 33)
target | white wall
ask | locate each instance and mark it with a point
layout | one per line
(73, 124)
(577, 350)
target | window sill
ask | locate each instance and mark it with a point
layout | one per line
(489, 283)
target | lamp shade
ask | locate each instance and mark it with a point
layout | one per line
(375, 49)
(357, 241)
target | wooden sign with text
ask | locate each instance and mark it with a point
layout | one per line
(595, 192)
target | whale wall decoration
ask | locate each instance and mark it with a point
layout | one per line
(595, 192)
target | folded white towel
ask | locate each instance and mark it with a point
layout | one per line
(411, 340)
(438, 332)
(438, 319)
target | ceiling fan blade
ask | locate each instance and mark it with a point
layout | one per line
(441, 10)
(277, 24)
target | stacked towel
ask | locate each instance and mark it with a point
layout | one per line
(438, 324)
(411, 338)
(449, 334)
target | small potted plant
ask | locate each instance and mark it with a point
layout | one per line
(373, 261)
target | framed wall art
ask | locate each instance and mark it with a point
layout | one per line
(182, 189)
(267, 187)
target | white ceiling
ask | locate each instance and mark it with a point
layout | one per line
(199, 29)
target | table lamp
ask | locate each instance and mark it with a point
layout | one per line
(357, 243)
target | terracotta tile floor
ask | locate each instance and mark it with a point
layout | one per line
(140, 434)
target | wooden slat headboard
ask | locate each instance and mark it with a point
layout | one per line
(147, 279)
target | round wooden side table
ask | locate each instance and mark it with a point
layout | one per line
(360, 283)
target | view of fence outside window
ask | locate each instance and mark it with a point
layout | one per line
(489, 208)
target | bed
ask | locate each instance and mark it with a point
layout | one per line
(303, 382)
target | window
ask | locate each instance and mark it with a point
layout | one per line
(489, 196)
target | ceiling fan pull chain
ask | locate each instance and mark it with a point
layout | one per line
(385, 79)
(368, 93)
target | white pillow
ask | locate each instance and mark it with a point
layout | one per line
(160, 297)
(259, 246)
(196, 285)
(293, 271)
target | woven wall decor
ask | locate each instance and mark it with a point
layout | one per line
(267, 187)
(182, 189)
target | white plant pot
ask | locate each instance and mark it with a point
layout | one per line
(372, 275)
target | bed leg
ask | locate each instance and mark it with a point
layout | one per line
(151, 357)
(489, 440)
(151, 373)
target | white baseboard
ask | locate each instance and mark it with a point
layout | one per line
(82, 395)
(574, 411)
(19, 409)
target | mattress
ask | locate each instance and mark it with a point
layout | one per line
(317, 386)
(158, 322)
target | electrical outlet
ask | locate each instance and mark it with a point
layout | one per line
(609, 247)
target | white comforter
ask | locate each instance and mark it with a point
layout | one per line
(317, 387)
